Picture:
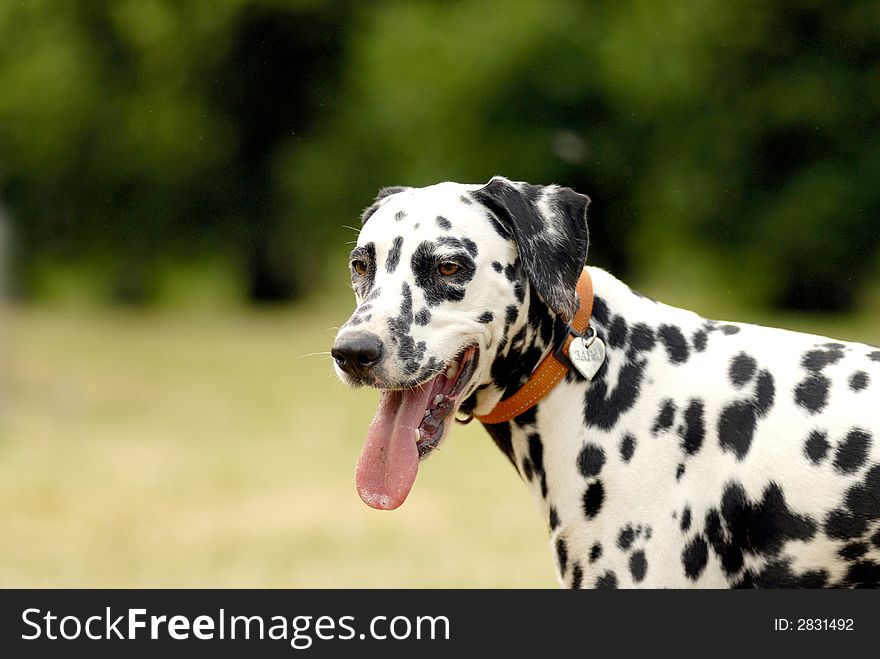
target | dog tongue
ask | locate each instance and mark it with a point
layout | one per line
(389, 461)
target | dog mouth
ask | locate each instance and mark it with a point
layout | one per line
(408, 425)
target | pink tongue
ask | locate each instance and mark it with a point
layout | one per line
(389, 461)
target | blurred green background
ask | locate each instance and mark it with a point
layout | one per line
(176, 180)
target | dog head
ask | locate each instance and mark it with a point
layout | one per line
(442, 275)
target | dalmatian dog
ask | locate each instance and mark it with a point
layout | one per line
(701, 454)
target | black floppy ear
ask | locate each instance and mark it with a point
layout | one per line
(384, 192)
(549, 225)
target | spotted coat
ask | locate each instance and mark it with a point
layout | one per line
(702, 454)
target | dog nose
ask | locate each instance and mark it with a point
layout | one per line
(357, 352)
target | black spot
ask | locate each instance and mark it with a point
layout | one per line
(593, 499)
(519, 291)
(607, 580)
(699, 338)
(665, 418)
(470, 246)
(561, 554)
(554, 518)
(859, 381)
(536, 453)
(595, 552)
(408, 351)
(679, 471)
(742, 369)
(501, 435)
(374, 294)
(765, 393)
(686, 519)
(729, 330)
(527, 469)
(641, 339)
(638, 565)
(778, 574)
(853, 550)
(541, 321)
(852, 451)
(577, 575)
(363, 285)
(812, 392)
(627, 447)
(510, 314)
(762, 528)
(600, 310)
(694, 557)
(527, 418)
(513, 272)
(816, 360)
(863, 574)
(591, 460)
(393, 255)
(509, 371)
(840, 523)
(693, 431)
(626, 537)
(618, 332)
(874, 356)
(436, 288)
(465, 200)
(603, 410)
(676, 344)
(423, 317)
(497, 266)
(486, 317)
(399, 215)
(816, 447)
(736, 428)
(443, 223)
(431, 366)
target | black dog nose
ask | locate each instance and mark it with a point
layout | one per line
(357, 352)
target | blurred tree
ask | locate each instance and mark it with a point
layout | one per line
(738, 139)
(136, 133)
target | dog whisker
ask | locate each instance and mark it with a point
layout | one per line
(325, 353)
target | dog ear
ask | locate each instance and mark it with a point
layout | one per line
(549, 225)
(384, 192)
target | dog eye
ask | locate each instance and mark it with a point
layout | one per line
(360, 267)
(447, 268)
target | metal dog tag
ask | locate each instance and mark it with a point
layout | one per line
(587, 357)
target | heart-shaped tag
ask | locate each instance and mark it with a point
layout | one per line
(587, 358)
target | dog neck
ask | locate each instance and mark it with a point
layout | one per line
(524, 344)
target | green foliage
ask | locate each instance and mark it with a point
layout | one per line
(732, 143)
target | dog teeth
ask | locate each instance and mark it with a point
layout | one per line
(452, 370)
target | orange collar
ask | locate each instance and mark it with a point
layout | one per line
(552, 368)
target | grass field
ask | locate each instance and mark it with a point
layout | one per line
(168, 450)
(183, 449)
